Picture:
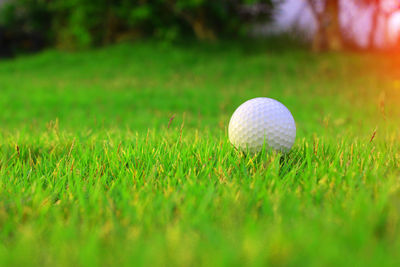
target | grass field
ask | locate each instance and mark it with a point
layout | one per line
(91, 174)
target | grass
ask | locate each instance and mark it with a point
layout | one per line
(91, 174)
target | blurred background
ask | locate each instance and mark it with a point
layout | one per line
(32, 25)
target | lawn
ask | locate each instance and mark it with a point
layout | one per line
(120, 156)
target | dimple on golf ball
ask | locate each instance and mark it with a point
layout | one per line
(262, 122)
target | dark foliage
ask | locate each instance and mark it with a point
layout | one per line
(13, 42)
(87, 23)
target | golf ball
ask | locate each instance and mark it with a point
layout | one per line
(262, 121)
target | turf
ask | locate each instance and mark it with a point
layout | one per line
(120, 156)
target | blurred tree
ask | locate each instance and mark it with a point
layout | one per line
(208, 19)
(375, 7)
(383, 8)
(375, 4)
(328, 33)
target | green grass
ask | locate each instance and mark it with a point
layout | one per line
(90, 173)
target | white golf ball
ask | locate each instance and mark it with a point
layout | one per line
(262, 121)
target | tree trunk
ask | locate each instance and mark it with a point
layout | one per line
(386, 30)
(319, 38)
(196, 21)
(332, 25)
(201, 30)
(328, 35)
(374, 27)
